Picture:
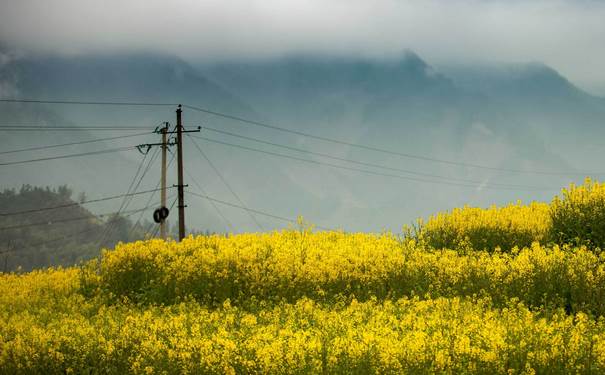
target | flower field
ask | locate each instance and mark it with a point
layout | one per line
(458, 296)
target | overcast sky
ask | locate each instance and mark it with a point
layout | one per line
(567, 35)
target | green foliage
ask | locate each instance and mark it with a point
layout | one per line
(330, 266)
(306, 303)
(578, 217)
(303, 302)
(515, 225)
(63, 241)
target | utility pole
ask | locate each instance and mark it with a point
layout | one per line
(160, 214)
(181, 185)
(164, 146)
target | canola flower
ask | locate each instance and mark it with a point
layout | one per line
(578, 215)
(575, 217)
(307, 303)
(512, 290)
(515, 225)
(330, 266)
(408, 335)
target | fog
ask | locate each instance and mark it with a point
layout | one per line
(462, 92)
(567, 35)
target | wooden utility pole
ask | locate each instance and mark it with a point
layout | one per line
(181, 185)
(160, 214)
(164, 146)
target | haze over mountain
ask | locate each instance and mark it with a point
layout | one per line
(524, 117)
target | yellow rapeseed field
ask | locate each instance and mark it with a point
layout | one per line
(478, 291)
(505, 227)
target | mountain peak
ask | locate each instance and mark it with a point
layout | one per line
(310, 75)
(534, 79)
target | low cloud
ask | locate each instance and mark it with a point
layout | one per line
(565, 34)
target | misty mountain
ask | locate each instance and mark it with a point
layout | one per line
(332, 88)
(140, 77)
(126, 77)
(408, 94)
(522, 117)
(534, 97)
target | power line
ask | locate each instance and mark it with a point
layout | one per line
(225, 182)
(18, 128)
(251, 209)
(153, 224)
(39, 244)
(119, 149)
(199, 186)
(64, 237)
(137, 223)
(151, 197)
(128, 198)
(358, 169)
(381, 150)
(308, 135)
(108, 227)
(72, 143)
(364, 163)
(77, 203)
(50, 222)
(79, 102)
(77, 233)
(153, 158)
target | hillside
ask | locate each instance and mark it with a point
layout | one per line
(33, 235)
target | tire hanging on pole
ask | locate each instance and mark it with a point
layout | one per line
(160, 214)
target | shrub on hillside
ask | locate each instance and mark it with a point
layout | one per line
(485, 229)
(578, 217)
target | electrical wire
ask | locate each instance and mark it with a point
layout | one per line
(153, 158)
(251, 209)
(73, 143)
(78, 233)
(40, 244)
(64, 237)
(199, 186)
(77, 203)
(128, 199)
(112, 150)
(107, 228)
(382, 150)
(69, 128)
(157, 227)
(110, 103)
(364, 163)
(151, 197)
(225, 182)
(308, 135)
(50, 222)
(486, 186)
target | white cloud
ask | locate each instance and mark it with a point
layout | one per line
(565, 34)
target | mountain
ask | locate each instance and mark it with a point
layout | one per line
(535, 97)
(135, 77)
(122, 78)
(523, 117)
